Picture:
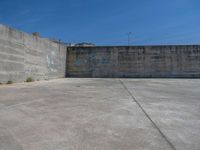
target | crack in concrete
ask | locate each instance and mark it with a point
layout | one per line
(147, 115)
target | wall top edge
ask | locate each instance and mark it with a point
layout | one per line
(28, 34)
(136, 46)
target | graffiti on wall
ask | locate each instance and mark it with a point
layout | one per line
(51, 61)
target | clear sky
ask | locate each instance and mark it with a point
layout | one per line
(107, 22)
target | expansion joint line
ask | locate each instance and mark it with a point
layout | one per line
(146, 114)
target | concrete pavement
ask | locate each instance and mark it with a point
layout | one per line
(101, 114)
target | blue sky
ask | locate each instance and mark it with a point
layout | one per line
(107, 22)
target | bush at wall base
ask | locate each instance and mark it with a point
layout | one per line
(29, 79)
(9, 82)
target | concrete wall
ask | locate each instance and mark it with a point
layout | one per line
(141, 61)
(23, 55)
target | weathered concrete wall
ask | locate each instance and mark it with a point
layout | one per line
(140, 61)
(23, 55)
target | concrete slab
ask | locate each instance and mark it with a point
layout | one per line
(101, 114)
(174, 106)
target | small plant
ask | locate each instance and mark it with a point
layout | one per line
(9, 82)
(29, 79)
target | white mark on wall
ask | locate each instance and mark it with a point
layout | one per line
(53, 53)
(50, 62)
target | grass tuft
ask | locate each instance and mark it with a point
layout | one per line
(29, 79)
(9, 82)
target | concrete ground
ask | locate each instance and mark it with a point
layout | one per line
(101, 114)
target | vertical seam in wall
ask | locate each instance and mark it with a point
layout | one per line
(146, 114)
(66, 62)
